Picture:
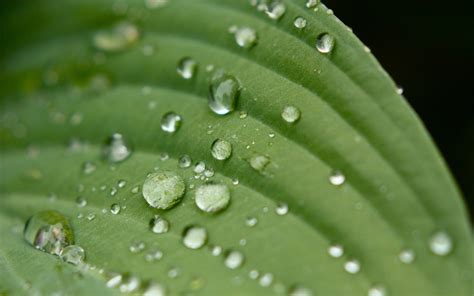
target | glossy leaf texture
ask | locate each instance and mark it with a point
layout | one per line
(74, 74)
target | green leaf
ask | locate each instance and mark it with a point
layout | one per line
(77, 73)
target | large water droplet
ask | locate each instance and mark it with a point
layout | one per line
(275, 10)
(48, 231)
(194, 237)
(118, 38)
(440, 243)
(187, 67)
(221, 149)
(234, 259)
(211, 198)
(73, 254)
(407, 256)
(244, 36)
(116, 149)
(300, 22)
(159, 225)
(170, 122)
(291, 114)
(336, 251)
(223, 94)
(352, 266)
(325, 43)
(162, 190)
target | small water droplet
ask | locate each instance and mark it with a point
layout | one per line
(170, 122)
(253, 274)
(90, 216)
(352, 266)
(194, 237)
(118, 38)
(275, 10)
(115, 209)
(135, 189)
(113, 191)
(216, 250)
(266, 280)
(235, 181)
(154, 4)
(153, 255)
(311, 3)
(281, 209)
(441, 244)
(300, 291)
(114, 280)
(251, 221)
(164, 189)
(259, 162)
(81, 201)
(325, 43)
(221, 149)
(185, 161)
(223, 94)
(173, 272)
(291, 114)
(116, 149)
(407, 256)
(234, 259)
(187, 67)
(121, 183)
(245, 37)
(48, 231)
(377, 291)
(137, 246)
(73, 254)
(129, 284)
(337, 178)
(300, 22)
(159, 225)
(336, 251)
(154, 289)
(88, 167)
(243, 115)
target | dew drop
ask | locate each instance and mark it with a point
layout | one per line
(259, 162)
(300, 291)
(407, 256)
(275, 10)
(235, 181)
(185, 161)
(251, 221)
(325, 43)
(337, 178)
(153, 4)
(200, 167)
(118, 38)
(194, 237)
(170, 122)
(187, 68)
(159, 225)
(245, 37)
(115, 209)
(266, 280)
(88, 167)
(377, 291)
(73, 254)
(173, 272)
(90, 216)
(300, 22)
(164, 189)
(352, 266)
(116, 149)
(137, 246)
(311, 3)
(129, 284)
(291, 114)
(114, 280)
(253, 274)
(48, 231)
(221, 149)
(153, 255)
(212, 198)
(223, 94)
(135, 189)
(121, 183)
(216, 250)
(440, 244)
(281, 209)
(336, 251)
(154, 289)
(234, 259)
(81, 202)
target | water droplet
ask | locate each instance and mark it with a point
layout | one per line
(290, 114)
(90, 216)
(81, 202)
(162, 190)
(199, 167)
(251, 221)
(194, 237)
(441, 244)
(352, 266)
(185, 161)
(170, 122)
(216, 250)
(73, 254)
(48, 231)
(311, 3)
(259, 162)
(173, 272)
(337, 178)
(223, 94)
(153, 255)
(377, 291)
(243, 115)
(235, 181)
(159, 225)
(336, 251)
(245, 37)
(88, 167)
(212, 198)
(116, 149)
(113, 191)
(234, 259)
(221, 149)
(187, 67)
(281, 209)
(115, 209)
(253, 274)
(118, 38)
(325, 43)
(114, 280)
(135, 189)
(300, 22)
(153, 4)
(300, 291)
(121, 183)
(154, 289)
(129, 284)
(266, 280)
(407, 256)
(137, 246)
(275, 10)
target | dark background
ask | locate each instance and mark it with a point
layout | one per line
(428, 49)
